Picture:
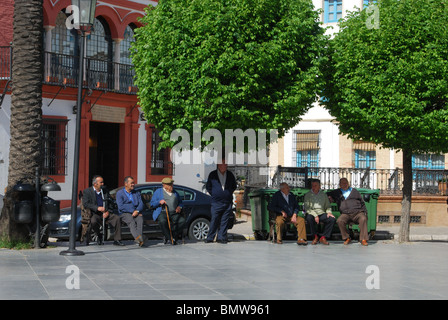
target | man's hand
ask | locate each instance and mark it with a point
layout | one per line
(101, 209)
(294, 218)
(135, 213)
(106, 214)
(284, 214)
(316, 219)
(178, 209)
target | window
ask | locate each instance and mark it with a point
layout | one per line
(159, 160)
(125, 45)
(367, 2)
(184, 194)
(365, 154)
(332, 10)
(428, 161)
(306, 148)
(54, 147)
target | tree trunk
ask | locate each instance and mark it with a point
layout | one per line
(26, 108)
(407, 195)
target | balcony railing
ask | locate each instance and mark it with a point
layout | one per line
(388, 181)
(102, 75)
(62, 70)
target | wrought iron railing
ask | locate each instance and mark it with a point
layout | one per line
(62, 70)
(388, 181)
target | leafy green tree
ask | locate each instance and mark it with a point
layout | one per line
(228, 64)
(388, 82)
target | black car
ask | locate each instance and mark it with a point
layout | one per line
(196, 207)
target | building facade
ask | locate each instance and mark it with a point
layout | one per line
(116, 141)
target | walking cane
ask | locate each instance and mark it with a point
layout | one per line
(169, 224)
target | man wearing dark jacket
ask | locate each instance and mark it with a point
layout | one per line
(352, 208)
(285, 206)
(221, 184)
(95, 199)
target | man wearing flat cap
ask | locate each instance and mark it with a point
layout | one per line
(164, 200)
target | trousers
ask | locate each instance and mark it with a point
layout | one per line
(360, 218)
(177, 223)
(221, 213)
(113, 220)
(135, 224)
(300, 226)
(327, 221)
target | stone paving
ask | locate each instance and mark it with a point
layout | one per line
(240, 270)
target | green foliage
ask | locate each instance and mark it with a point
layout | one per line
(227, 63)
(390, 85)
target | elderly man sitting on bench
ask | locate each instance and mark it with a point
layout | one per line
(285, 206)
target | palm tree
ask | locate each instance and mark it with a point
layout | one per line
(26, 107)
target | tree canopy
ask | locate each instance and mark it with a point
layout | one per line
(389, 84)
(227, 64)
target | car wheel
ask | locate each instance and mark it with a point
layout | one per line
(199, 229)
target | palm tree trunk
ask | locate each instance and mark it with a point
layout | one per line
(26, 107)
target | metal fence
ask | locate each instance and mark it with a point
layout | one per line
(103, 75)
(388, 181)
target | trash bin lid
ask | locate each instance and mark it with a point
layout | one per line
(23, 187)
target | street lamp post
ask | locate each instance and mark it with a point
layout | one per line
(84, 15)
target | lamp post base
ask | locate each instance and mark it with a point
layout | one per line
(71, 252)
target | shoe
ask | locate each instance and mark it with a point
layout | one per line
(315, 240)
(347, 241)
(323, 241)
(140, 240)
(118, 243)
(208, 241)
(99, 241)
(222, 241)
(279, 241)
(364, 243)
(302, 242)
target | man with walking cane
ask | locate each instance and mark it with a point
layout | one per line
(171, 220)
(95, 200)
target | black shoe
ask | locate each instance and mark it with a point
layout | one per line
(222, 241)
(208, 241)
(118, 243)
(99, 241)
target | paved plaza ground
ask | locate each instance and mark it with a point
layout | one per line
(240, 270)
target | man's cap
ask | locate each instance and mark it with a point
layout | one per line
(167, 180)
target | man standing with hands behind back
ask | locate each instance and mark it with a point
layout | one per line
(221, 184)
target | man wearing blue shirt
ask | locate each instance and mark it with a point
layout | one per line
(130, 205)
(166, 198)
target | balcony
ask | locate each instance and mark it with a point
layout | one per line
(62, 70)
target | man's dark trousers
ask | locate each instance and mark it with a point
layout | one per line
(221, 213)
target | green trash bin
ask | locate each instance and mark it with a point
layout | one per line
(370, 197)
(259, 200)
